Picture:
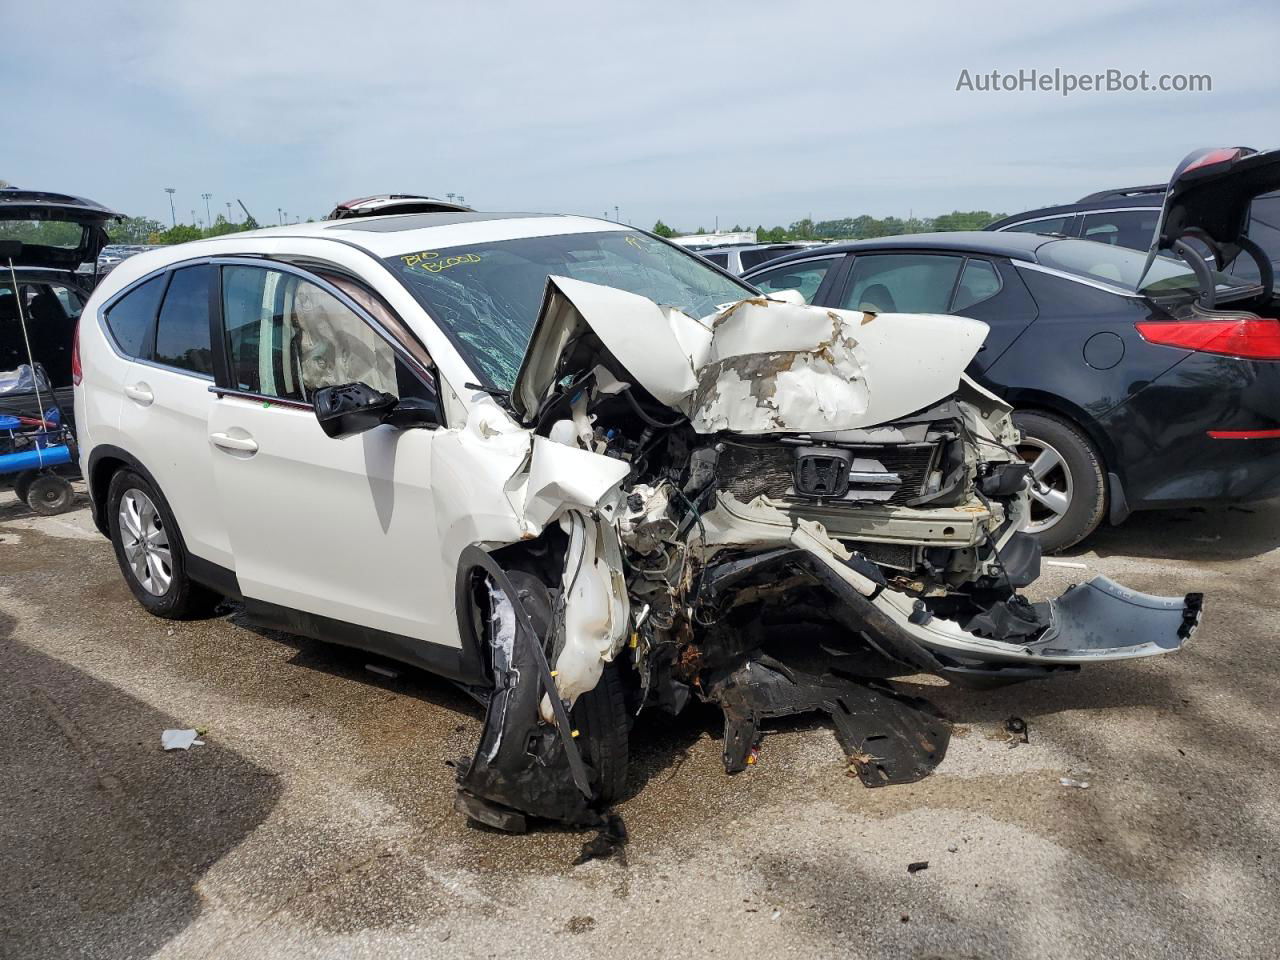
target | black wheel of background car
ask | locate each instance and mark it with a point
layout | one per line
(49, 495)
(604, 731)
(150, 551)
(1068, 495)
(22, 484)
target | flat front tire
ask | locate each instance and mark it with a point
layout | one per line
(150, 550)
(604, 732)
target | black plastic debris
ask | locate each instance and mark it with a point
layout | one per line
(611, 838)
(889, 738)
(1016, 727)
(917, 866)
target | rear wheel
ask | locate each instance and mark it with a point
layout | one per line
(1068, 495)
(150, 551)
(22, 484)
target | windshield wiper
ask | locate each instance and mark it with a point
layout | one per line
(502, 396)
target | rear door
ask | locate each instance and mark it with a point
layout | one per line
(343, 529)
(166, 404)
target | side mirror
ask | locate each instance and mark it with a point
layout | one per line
(352, 408)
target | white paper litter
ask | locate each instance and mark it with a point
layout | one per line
(179, 740)
(1070, 782)
(1067, 563)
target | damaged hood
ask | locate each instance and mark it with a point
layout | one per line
(757, 366)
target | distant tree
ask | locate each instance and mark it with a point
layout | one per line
(662, 230)
(801, 230)
(182, 233)
(965, 220)
(700, 231)
(134, 230)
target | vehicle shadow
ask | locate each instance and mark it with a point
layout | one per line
(114, 832)
(349, 663)
(1192, 534)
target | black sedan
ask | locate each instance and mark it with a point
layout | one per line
(1136, 386)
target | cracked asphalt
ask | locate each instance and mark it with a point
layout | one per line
(317, 819)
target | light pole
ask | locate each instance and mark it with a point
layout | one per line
(617, 219)
(279, 217)
(228, 211)
(173, 216)
(208, 217)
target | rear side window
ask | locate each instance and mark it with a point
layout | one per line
(130, 318)
(902, 283)
(978, 282)
(182, 332)
(719, 259)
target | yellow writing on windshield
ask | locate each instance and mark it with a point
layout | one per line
(432, 262)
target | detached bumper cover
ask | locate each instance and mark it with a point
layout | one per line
(1102, 620)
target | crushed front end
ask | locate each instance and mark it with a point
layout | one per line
(807, 509)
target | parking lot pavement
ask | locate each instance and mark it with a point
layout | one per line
(317, 820)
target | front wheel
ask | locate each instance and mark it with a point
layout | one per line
(1068, 493)
(604, 731)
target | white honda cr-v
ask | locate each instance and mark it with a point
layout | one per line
(577, 470)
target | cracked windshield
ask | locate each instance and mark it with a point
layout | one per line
(487, 295)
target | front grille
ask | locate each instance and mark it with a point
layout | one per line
(749, 470)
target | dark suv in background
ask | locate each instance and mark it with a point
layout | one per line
(1128, 216)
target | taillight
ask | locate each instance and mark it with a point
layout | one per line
(1214, 157)
(76, 374)
(1251, 338)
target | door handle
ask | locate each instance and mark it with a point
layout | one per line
(139, 393)
(238, 444)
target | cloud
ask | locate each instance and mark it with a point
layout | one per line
(751, 111)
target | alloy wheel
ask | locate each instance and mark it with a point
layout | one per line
(1051, 486)
(145, 542)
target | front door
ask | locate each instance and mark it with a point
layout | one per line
(342, 529)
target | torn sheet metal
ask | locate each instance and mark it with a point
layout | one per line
(595, 611)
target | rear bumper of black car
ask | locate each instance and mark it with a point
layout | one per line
(1206, 431)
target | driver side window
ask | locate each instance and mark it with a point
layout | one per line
(287, 337)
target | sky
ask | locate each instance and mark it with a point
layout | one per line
(746, 112)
